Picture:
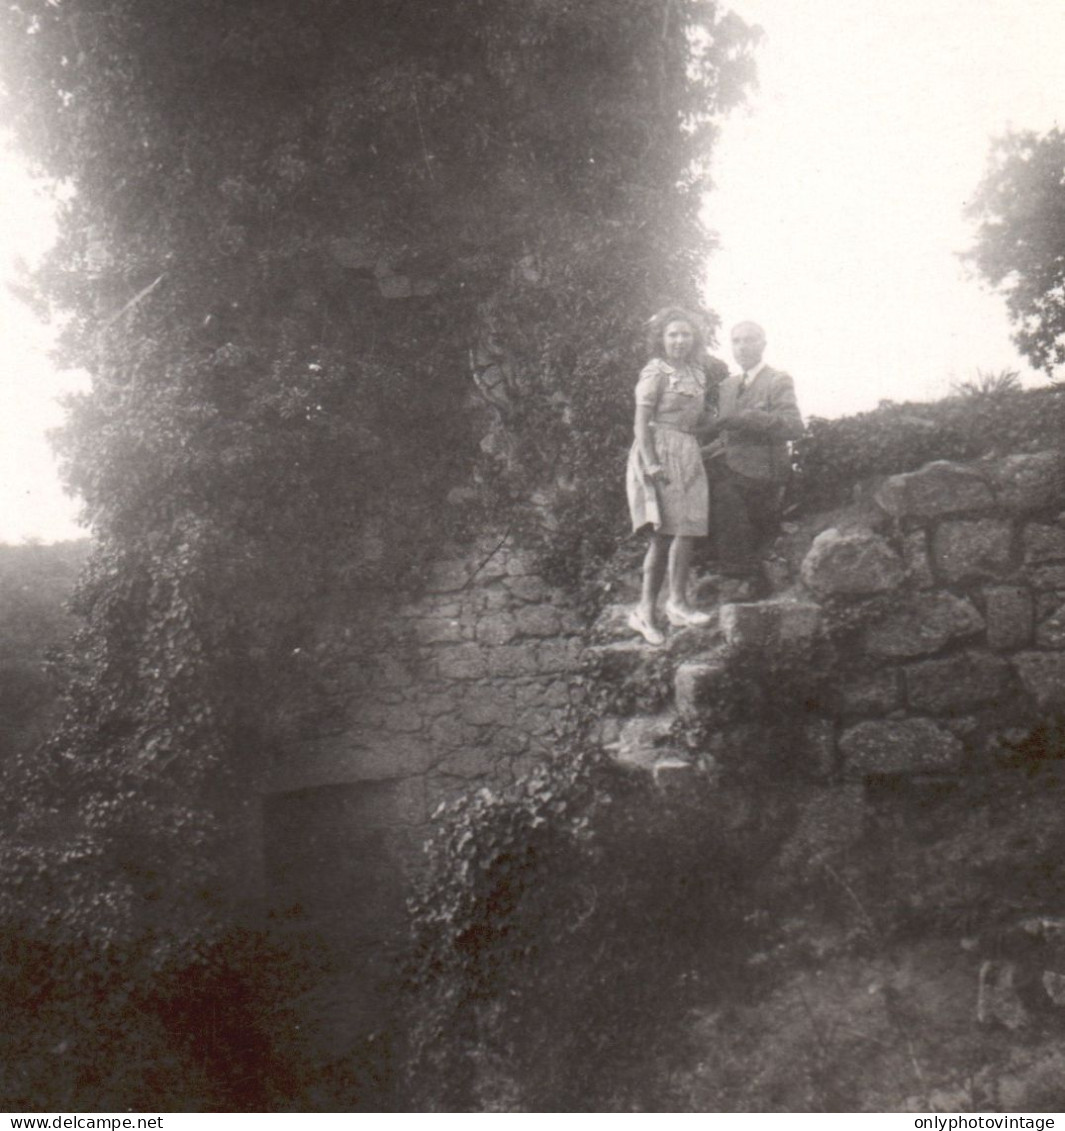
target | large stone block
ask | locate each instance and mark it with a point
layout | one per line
(537, 620)
(938, 488)
(1046, 577)
(1043, 676)
(926, 623)
(968, 550)
(1008, 613)
(769, 624)
(644, 740)
(872, 693)
(851, 562)
(1050, 620)
(1028, 482)
(461, 661)
(559, 655)
(1043, 543)
(486, 706)
(495, 629)
(511, 660)
(918, 561)
(899, 746)
(698, 686)
(527, 588)
(970, 679)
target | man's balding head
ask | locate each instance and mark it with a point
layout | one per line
(748, 344)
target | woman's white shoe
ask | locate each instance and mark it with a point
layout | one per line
(648, 631)
(680, 617)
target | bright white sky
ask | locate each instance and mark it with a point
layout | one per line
(839, 208)
(841, 188)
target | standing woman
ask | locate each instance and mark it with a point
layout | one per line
(665, 479)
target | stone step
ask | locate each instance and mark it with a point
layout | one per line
(645, 741)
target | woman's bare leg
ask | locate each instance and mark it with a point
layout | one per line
(680, 559)
(655, 564)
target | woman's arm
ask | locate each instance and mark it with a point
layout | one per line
(645, 441)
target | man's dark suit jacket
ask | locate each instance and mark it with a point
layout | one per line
(759, 447)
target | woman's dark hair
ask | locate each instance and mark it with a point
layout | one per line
(656, 328)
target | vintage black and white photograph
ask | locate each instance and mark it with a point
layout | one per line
(532, 557)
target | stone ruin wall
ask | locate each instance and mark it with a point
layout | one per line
(949, 585)
(955, 579)
(467, 685)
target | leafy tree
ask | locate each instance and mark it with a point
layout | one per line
(311, 251)
(35, 583)
(1020, 242)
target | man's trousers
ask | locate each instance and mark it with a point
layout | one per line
(744, 517)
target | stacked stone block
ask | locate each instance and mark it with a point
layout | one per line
(970, 642)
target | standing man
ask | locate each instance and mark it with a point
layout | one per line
(748, 463)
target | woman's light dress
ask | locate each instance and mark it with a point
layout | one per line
(676, 394)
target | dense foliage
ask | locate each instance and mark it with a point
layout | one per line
(563, 929)
(312, 253)
(1020, 240)
(35, 584)
(325, 263)
(835, 455)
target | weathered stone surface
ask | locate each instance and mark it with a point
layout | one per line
(926, 623)
(769, 624)
(405, 718)
(1046, 577)
(1043, 543)
(967, 550)
(829, 819)
(872, 693)
(497, 629)
(938, 488)
(1050, 620)
(527, 588)
(349, 758)
(851, 562)
(613, 621)
(437, 631)
(511, 660)
(643, 740)
(817, 742)
(898, 746)
(970, 679)
(447, 577)
(997, 998)
(1054, 984)
(1043, 676)
(698, 684)
(462, 661)
(1028, 482)
(918, 561)
(519, 563)
(1008, 613)
(558, 655)
(537, 620)
(485, 706)
(674, 773)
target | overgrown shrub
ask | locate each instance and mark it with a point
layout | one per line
(91, 1027)
(563, 928)
(835, 455)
